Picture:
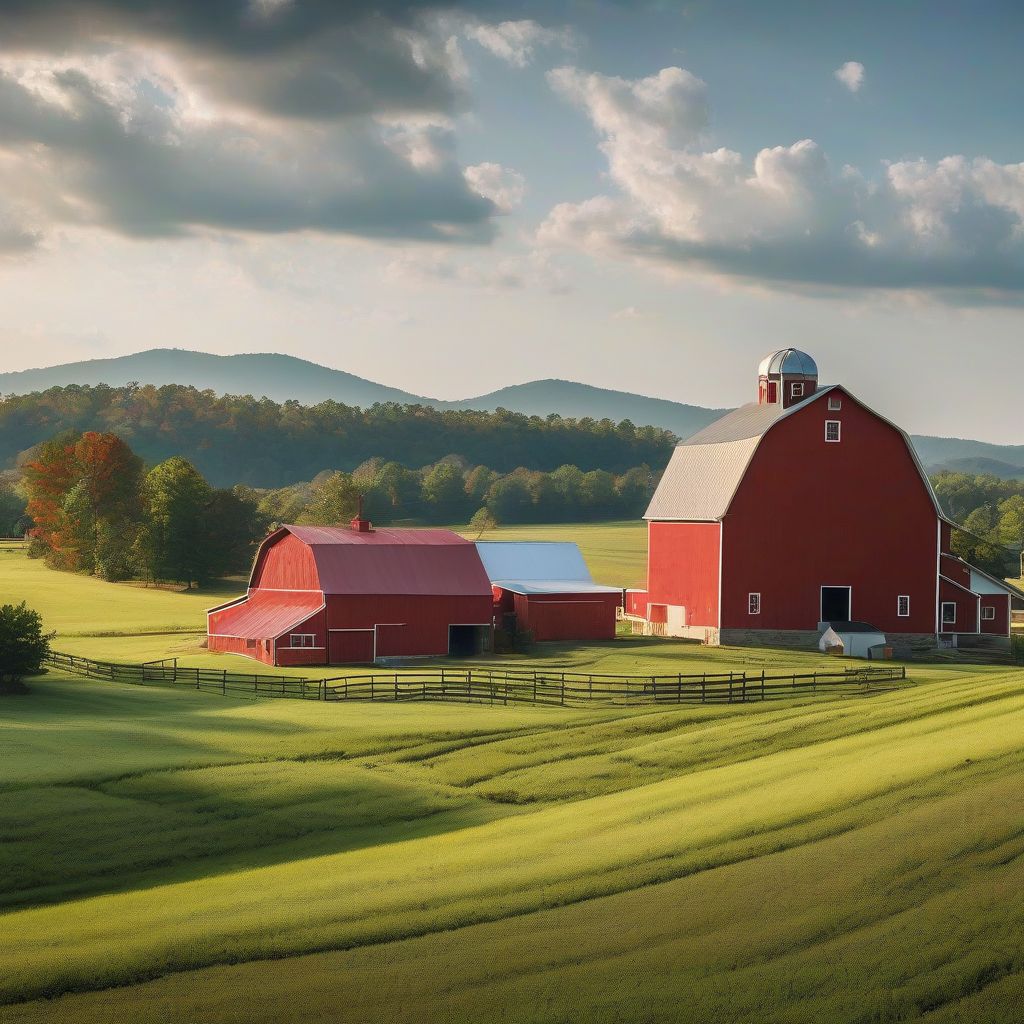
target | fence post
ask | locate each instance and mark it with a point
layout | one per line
(743, 688)
(224, 682)
(704, 688)
(396, 687)
(679, 689)
(563, 690)
(762, 684)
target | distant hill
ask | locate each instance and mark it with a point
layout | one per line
(540, 397)
(284, 377)
(979, 466)
(279, 377)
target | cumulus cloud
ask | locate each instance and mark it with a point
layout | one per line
(310, 59)
(788, 217)
(501, 185)
(133, 151)
(851, 75)
(515, 41)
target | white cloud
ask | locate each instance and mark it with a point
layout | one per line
(127, 142)
(786, 218)
(851, 74)
(514, 41)
(501, 185)
(628, 313)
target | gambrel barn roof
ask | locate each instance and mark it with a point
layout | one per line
(386, 561)
(705, 470)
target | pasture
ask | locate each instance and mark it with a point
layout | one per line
(177, 856)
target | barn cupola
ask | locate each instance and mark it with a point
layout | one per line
(787, 377)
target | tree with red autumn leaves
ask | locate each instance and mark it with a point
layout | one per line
(84, 500)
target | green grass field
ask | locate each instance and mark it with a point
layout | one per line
(176, 856)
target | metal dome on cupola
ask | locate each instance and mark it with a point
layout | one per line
(787, 376)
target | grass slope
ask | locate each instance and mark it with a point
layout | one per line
(267, 861)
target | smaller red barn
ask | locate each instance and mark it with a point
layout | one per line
(333, 595)
(547, 587)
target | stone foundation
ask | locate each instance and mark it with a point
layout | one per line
(904, 645)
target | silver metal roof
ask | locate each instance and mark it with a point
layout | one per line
(787, 360)
(533, 561)
(700, 480)
(554, 587)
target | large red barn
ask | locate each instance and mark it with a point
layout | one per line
(805, 508)
(334, 595)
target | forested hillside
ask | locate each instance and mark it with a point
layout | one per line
(243, 440)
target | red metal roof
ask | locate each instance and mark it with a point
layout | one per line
(265, 614)
(391, 561)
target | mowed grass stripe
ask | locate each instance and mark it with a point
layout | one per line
(556, 855)
(842, 929)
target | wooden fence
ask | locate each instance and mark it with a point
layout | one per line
(495, 686)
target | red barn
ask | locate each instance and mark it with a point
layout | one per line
(333, 595)
(805, 508)
(547, 589)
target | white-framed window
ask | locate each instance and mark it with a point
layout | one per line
(903, 606)
(303, 639)
(948, 613)
(988, 612)
(833, 430)
(798, 390)
(753, 604)
(834, 403)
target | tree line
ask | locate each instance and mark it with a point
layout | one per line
(991, 512)
(451, 491)
(90, 505)
(95, 509)
(235, 439)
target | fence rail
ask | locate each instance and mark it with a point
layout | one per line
(496, 686)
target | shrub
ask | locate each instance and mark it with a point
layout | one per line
(23, 645)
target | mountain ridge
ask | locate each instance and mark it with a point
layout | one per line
(282, 377)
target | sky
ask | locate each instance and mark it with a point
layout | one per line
(451, 199)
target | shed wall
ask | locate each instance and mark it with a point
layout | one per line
(551, 617)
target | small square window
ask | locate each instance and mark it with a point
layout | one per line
(754, 604)
(988, 612)
(903, 605)
(834, 404)
(833, 430)
(798, 390)
(948, 613)
(303, 639)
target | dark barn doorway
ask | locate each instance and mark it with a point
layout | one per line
(835, 604)
(465, 641)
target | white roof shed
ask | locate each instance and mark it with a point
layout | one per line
(539, 567)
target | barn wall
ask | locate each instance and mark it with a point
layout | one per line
(966, 608)
(255, 649)
(810, 513)
(952, 568)
(1000, 625)
(287, 564)
(316, 655)
(683, 569)
(421, 621)
(567, 616)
